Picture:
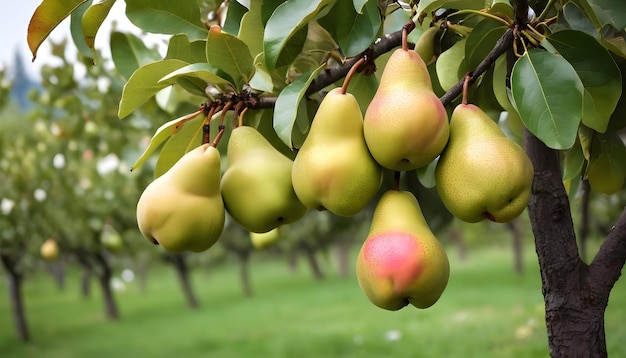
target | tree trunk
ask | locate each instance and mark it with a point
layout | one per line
(518, 254)
(458, 239)
(104, 278)
(182, 272)
(343, 256)
(85, 284)
(313, 263)
(575, 294)
(244, 272)
(15, 296)
(57, 270)
(583, 229)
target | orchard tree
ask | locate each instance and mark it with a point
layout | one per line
(550, 73)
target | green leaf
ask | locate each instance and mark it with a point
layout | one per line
(202, 71)
(144, 83)
(267, 9)
(180, 48)
(598, 72)
(234, 15)
(426, 6)
(451, 65)
(286, 20)
(162, 134)
(93, 18)
(358, 5)
(607, 168)
(481, 40)
(573, 162)
(610, 12)
(548, 95)
(229, 54)
(353, 32)
(252, 29)
(129, 53)
(76, 30)
(47, 16)
(578, 20)
(287, 103)
(167, 17)
(188, 137)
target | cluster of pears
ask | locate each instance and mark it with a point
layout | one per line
(185, 208)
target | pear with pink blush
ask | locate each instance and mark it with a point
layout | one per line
(401, 262)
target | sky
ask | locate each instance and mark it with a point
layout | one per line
(14, 27)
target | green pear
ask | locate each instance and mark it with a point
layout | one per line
(401, 261)
(334, 170)
(482, 173)
(49, 250)
(425, 45)
(405, 126)
(182, 210)
(262, 240)
(111, 239)
(256, 185)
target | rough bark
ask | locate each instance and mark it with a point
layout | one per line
(18, 312)
(583, 228)
(182, 272)
(575, 294)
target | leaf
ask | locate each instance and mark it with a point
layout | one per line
(252, 29)
(353, 32)
(450, 65)
(93, 18)
(76, 30)
(577, 19)
(129, 53)
(229, 54)
(286, 20)
(607, 169)
(359, 4)
(202, 71)
(287, 103)
(426, 6)
(610, 12)
(548, 95)
(144, 83)
(481, 40)
(46, 17)
(188, 137)
(180, 48)
(598, 72)
(167, 17)
(233, 17)
(573, 162)
(160, 136)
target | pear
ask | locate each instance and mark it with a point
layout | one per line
(405, 126)
(49, 250)
(401, 261)
(482, 173)
(182, 210)
(256, 185)
(264, 240)
(334, 170)
(425, 45)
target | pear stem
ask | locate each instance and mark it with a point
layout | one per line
(466, 85)
(219, 135)
(186, 118)
(406, 29)
(241, 116)
(353, 69)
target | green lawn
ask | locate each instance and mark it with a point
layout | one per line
(486, 311)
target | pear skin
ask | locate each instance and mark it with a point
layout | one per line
(182, 210)
(49, 250)
(401, 260)
(256, 185)
(482, 174)
(333, 169)
(405, 126)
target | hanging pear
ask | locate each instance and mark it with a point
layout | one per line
(256, 185)
(182, 210)
(334, 170)
(405, 125)
(482, 174)
(401, 261)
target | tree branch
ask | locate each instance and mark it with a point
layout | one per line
(609, 261)
(504, 43)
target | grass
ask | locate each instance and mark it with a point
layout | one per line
(486, 311)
